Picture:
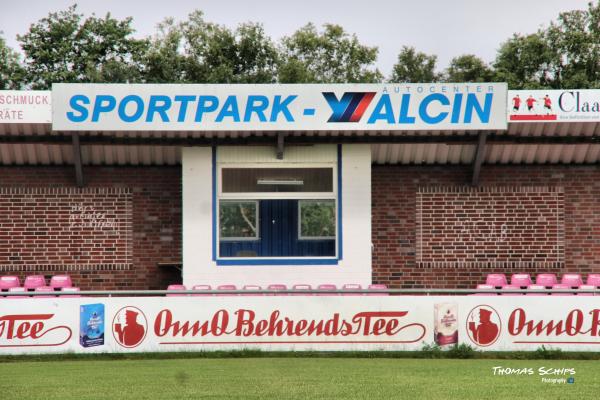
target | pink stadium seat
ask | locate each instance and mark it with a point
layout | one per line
(352, 286)
(533, 288)
(378, 288)
(511, 287)
(562, 286)
(176, 288)
(43, 289)
(60, 281)
(17, 289)
(201, 288)
(485, 287)
(586, 287)
(327, 287)
(34, 281)
(69, 289)
(547, 280)
(251, 290)
(521, 280)
(496, 280)
(572, 280)
(9, 281)
(226, 287)
(300, 287)
(276, 286)
(593, 279)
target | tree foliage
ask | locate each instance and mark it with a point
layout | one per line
(64, 47)
(574, 42)
(414, 66)
(566, 54)
(523, 62)
(11, 70)
(164, 61)
(468, 68)
(199, 51)
(331, 56)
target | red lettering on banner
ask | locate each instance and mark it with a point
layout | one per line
(246, 324)
(29, 328)
(574, 324)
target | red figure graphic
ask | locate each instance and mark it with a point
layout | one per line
(547, 103)
(133, 332)
(530, 101)
(516, 103)
(487, 331)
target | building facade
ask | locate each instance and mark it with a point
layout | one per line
(413, 186)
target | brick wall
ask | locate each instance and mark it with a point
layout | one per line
(406, 249)
(109, 235)
(65, 228)
(462, 225)
(431, 230)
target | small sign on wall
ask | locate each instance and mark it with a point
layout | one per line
(25, 107)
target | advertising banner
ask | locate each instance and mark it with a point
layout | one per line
(25, 107)
(313, 107)
(205, 323)
(553, 105)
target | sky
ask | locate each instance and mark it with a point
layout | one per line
(446, 28)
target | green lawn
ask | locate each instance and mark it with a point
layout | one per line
(290, 378)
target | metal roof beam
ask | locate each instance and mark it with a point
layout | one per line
(280, 145)
(77, 160)
(492, 138)
(478, 159)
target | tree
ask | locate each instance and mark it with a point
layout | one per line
(575, 49)
(414, 67)
(11, 71)
(332, 56)
(199, 51)
(564, 55)
(64, 48)
(164, 61)
(468, 68)
(523, 62)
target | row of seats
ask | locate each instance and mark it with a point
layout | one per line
(37, 283)
(533, 288)
(542, 282)
(63, 292)
(545, 280)
(251, 290)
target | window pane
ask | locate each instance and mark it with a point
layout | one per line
(263, 180)
(317, 219)
(238, 219)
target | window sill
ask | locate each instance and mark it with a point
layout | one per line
(280, 261)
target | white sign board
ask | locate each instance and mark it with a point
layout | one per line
(25, 107)
(314, 107)
(553, 105)
(206, 323)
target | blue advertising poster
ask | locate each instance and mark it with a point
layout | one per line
(91, 325)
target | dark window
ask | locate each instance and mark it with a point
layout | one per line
(264, 180)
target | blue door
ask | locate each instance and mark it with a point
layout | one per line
(278, 235)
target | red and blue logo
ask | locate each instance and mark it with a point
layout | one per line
(350, 108)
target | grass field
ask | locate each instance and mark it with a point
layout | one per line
(291, 378)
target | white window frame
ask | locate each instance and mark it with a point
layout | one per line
(239, 239)
(249, 196)
(300, 236)
(277, 195)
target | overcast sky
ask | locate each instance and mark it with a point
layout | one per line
(446, 28)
